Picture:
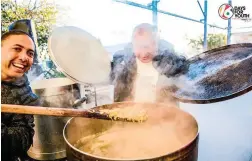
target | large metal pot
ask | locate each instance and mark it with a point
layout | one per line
(77, 128)
(48, 142)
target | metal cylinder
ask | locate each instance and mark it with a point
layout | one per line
(48, 141)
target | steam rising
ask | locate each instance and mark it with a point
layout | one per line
(35, 73)
(180, 82)
(166, 130)
(56, 92)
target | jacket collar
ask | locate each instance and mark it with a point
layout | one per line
(19, 82)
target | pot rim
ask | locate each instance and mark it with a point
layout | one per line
(36, 85)
(135, 159)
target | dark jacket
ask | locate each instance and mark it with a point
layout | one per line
(17, 130)
(124, 70)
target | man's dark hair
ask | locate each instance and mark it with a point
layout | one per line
(14, 32)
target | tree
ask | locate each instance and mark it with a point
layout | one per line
(42, 12)
(213, 41)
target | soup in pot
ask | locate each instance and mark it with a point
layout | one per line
(165, 130)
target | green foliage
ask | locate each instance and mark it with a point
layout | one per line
(42, 12)
(213, 41)
(52, 72)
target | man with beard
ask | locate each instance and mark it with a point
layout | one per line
(138, 70)
(17, 53)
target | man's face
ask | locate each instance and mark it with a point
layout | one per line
(144, 47)
(17, 56)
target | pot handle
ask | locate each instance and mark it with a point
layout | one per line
(78, 102)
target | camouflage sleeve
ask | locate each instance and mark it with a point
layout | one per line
(17, 136)
(117, 60)
(170, 64)
(29, 98)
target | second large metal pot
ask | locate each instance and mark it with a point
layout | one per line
(48, 142)
(77, 128)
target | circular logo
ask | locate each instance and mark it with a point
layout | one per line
(226, 11)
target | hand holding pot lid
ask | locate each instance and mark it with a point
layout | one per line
(79, 55)
(216, 75)
(170, 64)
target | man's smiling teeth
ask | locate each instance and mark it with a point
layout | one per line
(18, 65)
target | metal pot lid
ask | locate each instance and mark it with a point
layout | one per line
(217, 75)
(79, 55)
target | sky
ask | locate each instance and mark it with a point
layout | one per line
(112, 22)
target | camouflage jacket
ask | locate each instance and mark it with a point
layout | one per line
(124, 70)
(16, 129)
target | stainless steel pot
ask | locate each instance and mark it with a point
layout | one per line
(48, 142)
(77, 128)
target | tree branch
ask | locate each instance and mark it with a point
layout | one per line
(16, 6)
(29, 4)
(35, 4)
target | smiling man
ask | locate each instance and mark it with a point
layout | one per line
(17, 55)
(17, 52)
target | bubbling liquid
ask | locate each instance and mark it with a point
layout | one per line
(164, 132)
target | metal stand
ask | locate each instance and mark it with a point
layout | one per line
(229, 26)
